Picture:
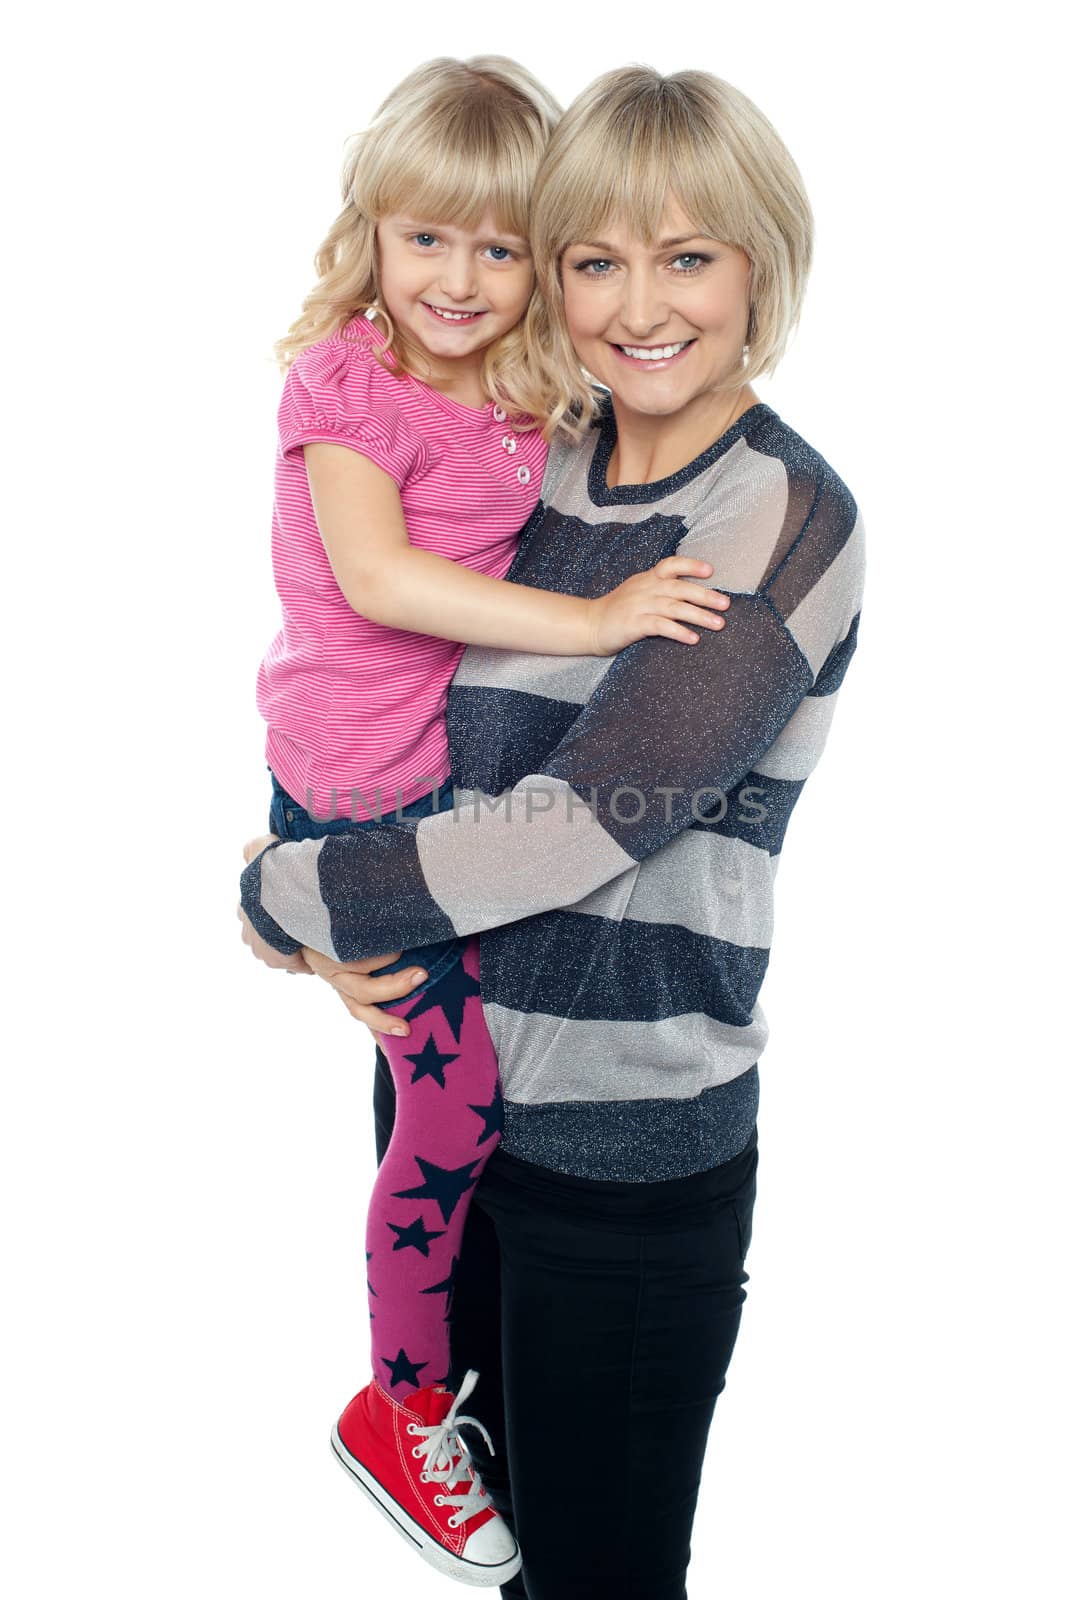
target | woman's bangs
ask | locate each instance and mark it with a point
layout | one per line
(634, 183)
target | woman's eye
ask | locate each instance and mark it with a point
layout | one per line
(599, 262)
(694, 261)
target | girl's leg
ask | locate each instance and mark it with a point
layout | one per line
(448, 1119)
(475, 1325)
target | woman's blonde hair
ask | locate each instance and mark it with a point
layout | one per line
(455, 139)
(632, 138)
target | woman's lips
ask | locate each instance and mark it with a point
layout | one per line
(649, 365)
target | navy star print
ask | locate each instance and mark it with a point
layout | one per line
(445, 1185)
(414, 1237)
(450, 993)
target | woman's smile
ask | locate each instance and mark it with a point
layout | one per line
(652, 358)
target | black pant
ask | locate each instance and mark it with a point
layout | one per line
(601, 1317)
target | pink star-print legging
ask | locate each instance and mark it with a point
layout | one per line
(449, 1116)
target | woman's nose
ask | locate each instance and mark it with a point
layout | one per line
(642, 309)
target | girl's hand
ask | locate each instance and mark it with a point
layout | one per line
(656, 601)
(359, 991)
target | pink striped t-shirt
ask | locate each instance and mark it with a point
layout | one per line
(350, 703)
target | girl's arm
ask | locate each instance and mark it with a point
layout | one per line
(659, 733)
(385, 578)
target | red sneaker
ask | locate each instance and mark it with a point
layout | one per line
(408, 1458)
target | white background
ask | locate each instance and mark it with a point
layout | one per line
(186, 1137)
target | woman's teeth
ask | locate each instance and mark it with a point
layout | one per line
(660, 353)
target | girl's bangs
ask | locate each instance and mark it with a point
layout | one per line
(458, 187)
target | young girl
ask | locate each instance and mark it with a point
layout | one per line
(412, 446)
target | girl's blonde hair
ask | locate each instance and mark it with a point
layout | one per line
(629, 140)
(455, 139)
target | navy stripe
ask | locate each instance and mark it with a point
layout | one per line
(571, 556)
(733, 702)
(575, 965)
(535, 726)
(385, 857)
(831, 675)
(636, 1141)
(499, 736)
(829, 526)
(757, 810)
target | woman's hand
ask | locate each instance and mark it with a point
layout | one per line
(256, 944)
(255, 847)
(359, 991)
(266, 953)
(653, 602)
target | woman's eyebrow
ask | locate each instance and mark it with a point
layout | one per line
(612, 249)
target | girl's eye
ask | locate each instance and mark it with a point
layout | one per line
(425, 238)
(499, 252)
(695, 261)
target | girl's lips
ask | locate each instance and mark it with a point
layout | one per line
(465, 321)
(652, 366)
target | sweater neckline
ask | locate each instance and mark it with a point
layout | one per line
(626, 494)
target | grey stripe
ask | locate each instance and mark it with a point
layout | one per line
(292, 897)
(735, 900)
(571, 678)
(544, 1058)
(839, 582)
(795, 751)
(561, 841)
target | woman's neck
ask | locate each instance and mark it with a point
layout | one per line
(649, 448)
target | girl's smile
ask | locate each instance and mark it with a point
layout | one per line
(452, 292)
(457, 318)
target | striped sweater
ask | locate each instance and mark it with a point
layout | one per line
(618, 820)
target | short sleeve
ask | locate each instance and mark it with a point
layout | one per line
(337, 393)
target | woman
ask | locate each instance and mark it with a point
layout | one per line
(620, 870)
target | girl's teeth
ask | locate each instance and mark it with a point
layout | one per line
(663, 354)
(454, 316)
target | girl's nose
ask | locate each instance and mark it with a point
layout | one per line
(458, 279)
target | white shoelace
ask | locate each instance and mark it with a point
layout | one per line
(445, 1453)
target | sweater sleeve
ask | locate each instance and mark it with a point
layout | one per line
(668, 726)
(336, 392)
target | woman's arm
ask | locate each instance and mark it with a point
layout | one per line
(382, 576)
(662, 729)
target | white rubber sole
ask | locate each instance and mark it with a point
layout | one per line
(472, 1572)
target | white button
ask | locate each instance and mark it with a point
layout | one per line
(524, 474)
(509, 443)
(499, 414)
